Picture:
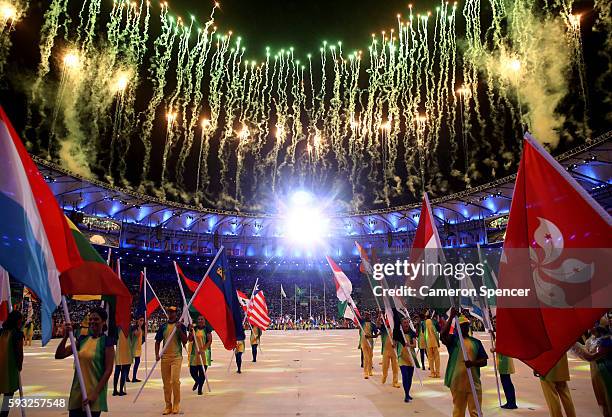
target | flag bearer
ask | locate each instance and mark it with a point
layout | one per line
(406, 360)
(171, 360)
(366, 343)
(555, 389)
(456, 377)
(239, 351)
(389, 357)
(123, 361)
(28, 332)
(200, 340)
(505, 367)
(432, 340)
(96, 354)
(255, 338)
(137, 338)
(421, 339)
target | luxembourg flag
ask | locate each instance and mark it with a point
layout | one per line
(36, 242)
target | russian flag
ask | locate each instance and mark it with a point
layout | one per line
(36, 243)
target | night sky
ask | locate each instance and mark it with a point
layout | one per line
(303, 25)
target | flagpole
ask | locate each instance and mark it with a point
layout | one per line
(489, 326)
(229, 365)
(324, 306)
(309, 301)
(464, 353)
(294, 304)
(492, 334)
(185, 310)
(281, 300)
(10, 310)
(75, 353)
(165, 346)
(146, 319)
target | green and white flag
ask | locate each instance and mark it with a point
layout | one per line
(345, 311)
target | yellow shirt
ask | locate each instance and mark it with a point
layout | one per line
(92, 353)
(123, 354)
(431, 334)
(404, 354)
(175, 346)
(194, 358)
(137, 341)
(240, 346)
(255, 335)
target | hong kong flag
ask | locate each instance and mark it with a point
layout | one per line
(557, 246)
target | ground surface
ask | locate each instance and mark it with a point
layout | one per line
(300, 373)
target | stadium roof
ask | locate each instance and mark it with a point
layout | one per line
(590, 164)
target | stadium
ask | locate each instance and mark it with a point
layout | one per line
(229, 221)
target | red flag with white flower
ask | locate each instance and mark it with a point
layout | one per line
(558, 246)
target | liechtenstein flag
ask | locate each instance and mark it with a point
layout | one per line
(36, 242)
(218, 303)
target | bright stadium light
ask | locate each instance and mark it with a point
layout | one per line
(301, 198)
(305, 223)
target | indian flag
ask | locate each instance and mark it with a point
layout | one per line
(344, 288)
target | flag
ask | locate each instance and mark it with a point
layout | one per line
(344, 311)
(37, 243)
(556, 244)
(151, 303)
(257, 313)
(218, 303)
(94, 277)
(283, 292)
(299, 291)
(426, 247)
(467, 302)
(344, 288)
(366, 268)
(190, 283)
(243, 300)
(5, 294)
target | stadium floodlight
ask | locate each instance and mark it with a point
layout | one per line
(305, 223)
(301, 198)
